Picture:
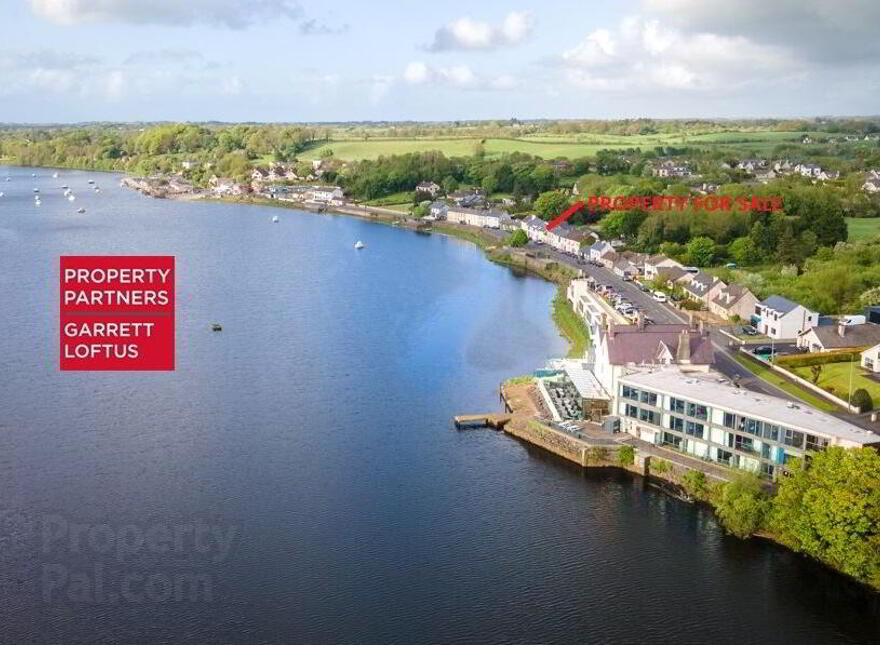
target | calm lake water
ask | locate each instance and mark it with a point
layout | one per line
(298, 479)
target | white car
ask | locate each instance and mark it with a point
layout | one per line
(659, 296)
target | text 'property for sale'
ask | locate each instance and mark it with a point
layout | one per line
(117, 313)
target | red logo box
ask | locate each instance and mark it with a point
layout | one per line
(117, 312)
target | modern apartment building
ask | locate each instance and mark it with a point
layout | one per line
(705, 416)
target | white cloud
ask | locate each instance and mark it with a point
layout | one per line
(235, 14)
(642, 54)
(459, 76)
(416, 72)
(467, 33)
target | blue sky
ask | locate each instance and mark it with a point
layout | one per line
(283, 60)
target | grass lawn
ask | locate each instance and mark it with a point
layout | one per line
(765, 373)
(862, 228)
(404, 197)
(570, 325)
(836, 375)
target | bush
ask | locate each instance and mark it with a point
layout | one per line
(819, 358)
(626, 455)
(743, 505)
(694, 484)
(658, 466)
(518, 238)
(861, 399)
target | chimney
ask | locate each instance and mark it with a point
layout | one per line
(683, 351)
(841, 327)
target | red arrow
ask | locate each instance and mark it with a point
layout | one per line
(561, 218)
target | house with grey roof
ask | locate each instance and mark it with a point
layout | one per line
(703, 287)
(839, 336)
(655, 262)
(733, 300)
(779, 317)
(598, 249)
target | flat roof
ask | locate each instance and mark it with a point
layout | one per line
(714, 390)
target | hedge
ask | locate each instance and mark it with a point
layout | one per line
(820, 358)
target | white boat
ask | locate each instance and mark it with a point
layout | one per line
(80, 210)
(65, 187)
(275, 219)
(55, 175)
(70, 198)
(36, 190)
(33, 174)
(97, 190)
(359, 245)
(91, 181)
(1, 193)
(9, 179)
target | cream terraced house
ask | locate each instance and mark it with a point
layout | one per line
(704, 416)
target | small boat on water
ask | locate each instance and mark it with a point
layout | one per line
(80, 210)
(1, 194)
(97, 190)
(216, 327)
(65, 187)
(70, 198)
(33, 174)
(55, 175)
(9, 179)
(275, 219)
(359, 245)
(36, 190)
(91, 181)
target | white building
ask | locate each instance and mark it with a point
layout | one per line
(473, 217)
(535, 228)
(705, 416)
(781, 318)
(327, 194)
(598, 249)
(871, 359)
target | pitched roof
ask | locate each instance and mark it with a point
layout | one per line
(730, 295)
(629, 344)
(656, 259)
(854, 335)
(778, 303)
(672, 273)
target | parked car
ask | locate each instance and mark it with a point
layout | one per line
(659, 296)
(748, 330)
(642, 287)
(763, 350)
(730, 265)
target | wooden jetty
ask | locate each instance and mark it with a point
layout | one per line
(492, 420)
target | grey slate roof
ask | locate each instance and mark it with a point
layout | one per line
(780, 304)
(866, 335)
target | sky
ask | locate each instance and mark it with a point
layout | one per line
(302, 61)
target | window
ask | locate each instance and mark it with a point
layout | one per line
(648, 415)
(632, 411)
(676, 405)
(771, 432)
(694, 429)
(672, 440)
(793, 438)
(698, 411)
(649, 397)
(630, 393)
(676, 423)
(765, 450)
(729, 420)
(745, 444)
(724, 457)
(767, 470)
(816, 443)
(753, 427)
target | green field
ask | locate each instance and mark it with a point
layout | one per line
(862, 228)
(836, 376)
(547, 146)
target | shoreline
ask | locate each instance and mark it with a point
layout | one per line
(534, 432)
